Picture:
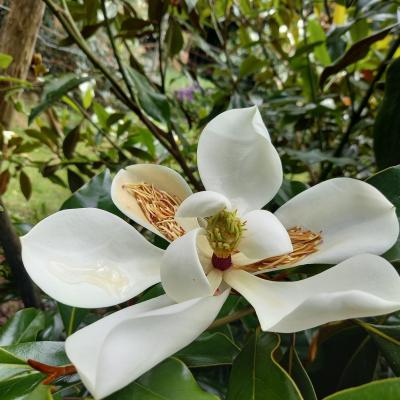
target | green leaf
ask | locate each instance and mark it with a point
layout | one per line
(153, 103)
(71, 141)
(23, 382)
(41, 392)
(387, 122)
(388, 340)
(5, 60)
(95, 194)
(173, 38)
(71, 317)
(292, 363)
(250, 65)
(63, 87)
(23, 327)
(385, 389)
(256, 375)
(209, 349)
(25, 184)
(75, 181)
(170, 380)
(317, 34)
(52, 353)
(388, 183)
(355, 53)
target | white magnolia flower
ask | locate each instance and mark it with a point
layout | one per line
(221, 239)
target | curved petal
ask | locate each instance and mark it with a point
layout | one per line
(364, 285)
(163, 178)
(89, 258)
(119, 348)
(182, 273)
(203, 204)
(352, 216)
(236, 158)
(264, 236)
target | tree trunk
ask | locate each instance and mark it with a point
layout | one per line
(18, 36)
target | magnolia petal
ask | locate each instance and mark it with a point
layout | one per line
(163, 178)
(182, 273)
(215, 279)
(364, 285)
(89, 258)
(236, 158)
(117, 349)
(264, 236)
(203, 204)
(352, 216)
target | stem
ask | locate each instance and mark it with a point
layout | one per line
(231, 318)
(115, 51)
(11, 244)
(356, 115)
(51, 371)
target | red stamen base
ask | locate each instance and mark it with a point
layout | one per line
(221, 263)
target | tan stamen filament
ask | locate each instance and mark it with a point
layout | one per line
(305, 242)
(159, 208)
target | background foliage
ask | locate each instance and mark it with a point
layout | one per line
(121, 82)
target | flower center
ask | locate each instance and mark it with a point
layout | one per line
(304, 241)
(159, 208)
(224, 231)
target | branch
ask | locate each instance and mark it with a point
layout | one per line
(70, 27)
(115, 51)
(11, 244)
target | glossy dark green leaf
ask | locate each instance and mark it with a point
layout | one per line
(41, 392)
(51, 353)
(209, 349)
(70, 142)
(385, 389)
(256, 375)
(157, 9)
(170, 380)
(387, 122)
(95, 193)
(153, 103)
(64, 86)
(388, 182)
(292, 364)
(71, 317)
(388, 340)
(21, 383)
(355, 53)
(134, 24)
(24, 326)
(173, 38)
(75, 181)
(25, 184)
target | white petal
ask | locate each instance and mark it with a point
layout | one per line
(203, 204)
(163, 178)
(264, 236)
(89, 258)
(215, 279)
(116, 350)
(352, 216)
(182, 273)
(236, 158)
(364, 285)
